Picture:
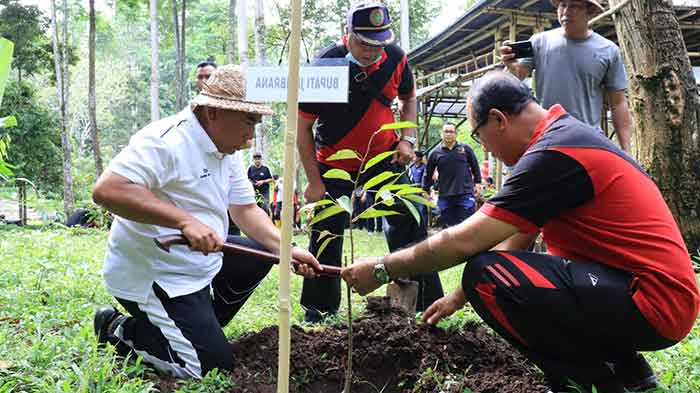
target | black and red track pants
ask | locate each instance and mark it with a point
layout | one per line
(574, 320)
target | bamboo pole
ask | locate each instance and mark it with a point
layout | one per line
(290, 137)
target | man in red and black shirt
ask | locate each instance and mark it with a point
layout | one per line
(378, 74)
(617, 279)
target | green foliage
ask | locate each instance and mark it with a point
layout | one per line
(5, 168)
(26, 26)
(337, 174)
(52, 283)
(7, 122)
(344, 154)
(35, 150)
(6, 49)
(421, 13)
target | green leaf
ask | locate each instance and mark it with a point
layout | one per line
(7, 122)
(412, 209)
(389, 201)
(337, 174)
(6, 48)
(325, 213)
(323, 247)
(372, 213)
(378, 158)
(418, 199)
(380, 178)
(323, 234)
(313, 205)
(393, 187)
(5, 170)
(398, 125)
(344, 154)
(344, 202)
(385, 194)
(410, 190)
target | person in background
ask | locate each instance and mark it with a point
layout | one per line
(203, 72)
(459, 177)
(277, 197)
(418, 168)
(261, 178)
(577, 68)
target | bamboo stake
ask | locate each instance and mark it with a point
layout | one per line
(290, 137)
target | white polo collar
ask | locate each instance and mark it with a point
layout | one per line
(199, 134)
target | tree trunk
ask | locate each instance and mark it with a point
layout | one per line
(405, 31)
(155, 75)
(242, 32)
(260, 59)
(664, 102)
(232, 31)
(180, 76)
(64, 58)
(183, 57)
(92, 104)
(61, 88)
(178, 60)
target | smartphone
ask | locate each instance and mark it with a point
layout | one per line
(521, 49)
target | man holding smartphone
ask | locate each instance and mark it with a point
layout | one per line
(573, 58)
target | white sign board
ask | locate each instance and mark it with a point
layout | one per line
(316, 84)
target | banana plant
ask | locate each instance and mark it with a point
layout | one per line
(386, 196)
(6, 48)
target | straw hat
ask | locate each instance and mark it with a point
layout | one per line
(225, 89)
(598, 7)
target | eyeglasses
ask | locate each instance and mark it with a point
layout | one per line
(475, 131)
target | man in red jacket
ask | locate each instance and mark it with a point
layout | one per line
(617, 279)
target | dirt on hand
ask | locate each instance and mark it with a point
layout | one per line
(392, 353)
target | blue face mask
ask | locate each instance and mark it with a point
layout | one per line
(352, 59)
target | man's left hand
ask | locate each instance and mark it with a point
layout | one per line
(310, 267)
(360, 276)
(404, 153)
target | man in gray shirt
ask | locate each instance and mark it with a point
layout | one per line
(576, 68)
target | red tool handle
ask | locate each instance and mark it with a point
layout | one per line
(164, 243)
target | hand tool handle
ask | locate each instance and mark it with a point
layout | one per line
(165, 242)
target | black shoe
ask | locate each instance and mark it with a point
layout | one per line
(314, 317)
(636, 374)
(104, 326)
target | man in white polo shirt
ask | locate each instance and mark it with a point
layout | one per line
(181, 175)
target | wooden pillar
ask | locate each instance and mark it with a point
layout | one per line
(22, 198)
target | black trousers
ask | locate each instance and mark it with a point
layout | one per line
(182, 336)
(322, 295)
(575, 320)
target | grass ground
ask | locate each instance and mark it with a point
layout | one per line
(50, 285)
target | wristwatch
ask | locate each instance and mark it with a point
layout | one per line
(409, 139)
(380, 272)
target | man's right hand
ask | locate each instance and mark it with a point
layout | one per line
(444, 307)
(201, 237)
(507, 56)
(314, 192)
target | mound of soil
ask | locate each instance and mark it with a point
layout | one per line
(391, 354)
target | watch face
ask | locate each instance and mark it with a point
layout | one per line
(380, 274)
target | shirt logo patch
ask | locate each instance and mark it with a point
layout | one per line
(205, 173)
(460, 149)
(594, 279)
